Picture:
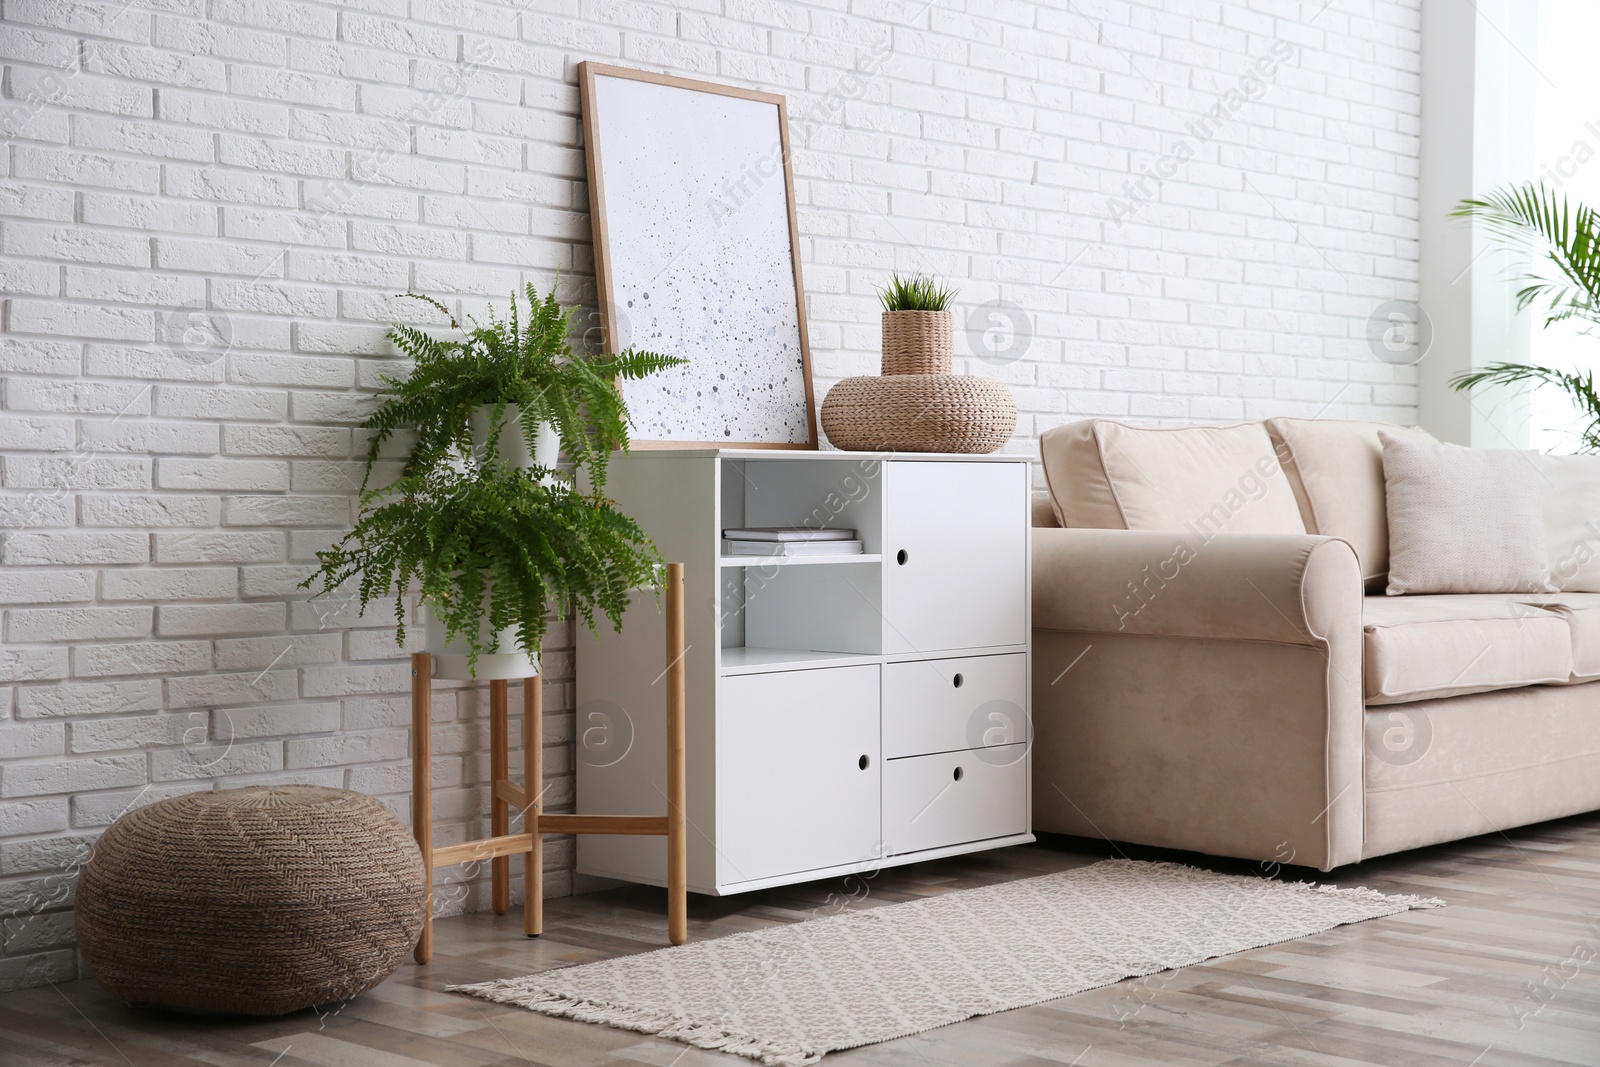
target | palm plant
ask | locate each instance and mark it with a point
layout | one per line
(1562, 281)
(483, 541)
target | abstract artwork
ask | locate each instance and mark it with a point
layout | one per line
(697, 255)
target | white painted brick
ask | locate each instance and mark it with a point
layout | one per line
(124, 23)
(170, 583)
(147, 658)
(195, 620)
(274, 581)
(345, 749)
(167, 68)
(119, 435)
(149, 213)
(45, 587)
(58, 625)
(354, 131)
(35, 778)
(297, 511)
(346, 269)
(304, 371)
(146, 364)
(39, 357)
(77, 472)
(205, 37)
(25, 740)
(186, 401)
(306, 406)
(255, 546)
(294, 87)
(134, 731)
(256, 475)
(32, 664)
(348, 61)
(285, 721)
(107, 398)
(247, 687)
(36, 433)
(132, 287)
(46, 47)
(234, 187)
(286, 156)
(394, 36)
(285, 441)
(40, 507)
(22, 549)
(33, 279)
(40, 816)
(273, 298)
(290, 650)
(31, 201)
(222, 759)
(360, 196)
(57, 318)
(73, 244)
(85, 168)
(158, 141)
(160, 510)
(82, 92)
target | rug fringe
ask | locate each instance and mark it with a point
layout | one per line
(639, 1020)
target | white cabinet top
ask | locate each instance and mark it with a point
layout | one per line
(831, 454)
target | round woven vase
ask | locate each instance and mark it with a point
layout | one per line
(919, 413)
(256, 901)
(917, 405)
(918, 342)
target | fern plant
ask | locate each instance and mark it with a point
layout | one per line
(915, 292)
(1562, 281)
(481, 540)
(524, 360)
(496, 542)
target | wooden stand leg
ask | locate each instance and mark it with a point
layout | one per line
(677, 842)
(499, 810)
(422, 787)
(533, 778)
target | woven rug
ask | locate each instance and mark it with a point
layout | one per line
(787, 995)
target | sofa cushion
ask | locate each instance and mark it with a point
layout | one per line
(1201, 479)
(1421, 647)
(1463, 520)
(1582, 614)
(1335, 469)
(1572, 520)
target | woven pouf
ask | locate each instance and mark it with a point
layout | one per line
(919, 413)
(256, 901)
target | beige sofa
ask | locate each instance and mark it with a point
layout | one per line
(1216, 667)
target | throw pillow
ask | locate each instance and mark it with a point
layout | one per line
(1463, 520)
(1572, 520)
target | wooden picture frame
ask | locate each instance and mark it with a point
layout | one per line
(723, 401)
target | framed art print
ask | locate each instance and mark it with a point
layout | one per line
(697, 254)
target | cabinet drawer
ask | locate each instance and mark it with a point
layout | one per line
(943, 705)
(953, 797)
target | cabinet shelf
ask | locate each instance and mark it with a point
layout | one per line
(799, 561)
(764, 660)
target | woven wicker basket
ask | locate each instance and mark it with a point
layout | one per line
(918, 342)
(256, 901)
(919, 413)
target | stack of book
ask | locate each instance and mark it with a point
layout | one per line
(789, 541)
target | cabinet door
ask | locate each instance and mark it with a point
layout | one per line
(955, 555)
(797, 772)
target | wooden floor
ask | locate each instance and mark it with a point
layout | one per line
(1509, 973)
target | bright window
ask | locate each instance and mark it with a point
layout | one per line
(1568, 152)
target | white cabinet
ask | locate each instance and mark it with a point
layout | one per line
(844, 713)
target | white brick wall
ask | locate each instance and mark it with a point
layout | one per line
(1193, 206)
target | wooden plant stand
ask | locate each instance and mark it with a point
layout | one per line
(530, 845)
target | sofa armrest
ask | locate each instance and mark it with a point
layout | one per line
(1286, 588)
(1207, 699)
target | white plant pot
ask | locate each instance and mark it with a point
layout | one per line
(450, 657)
(513, 443)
